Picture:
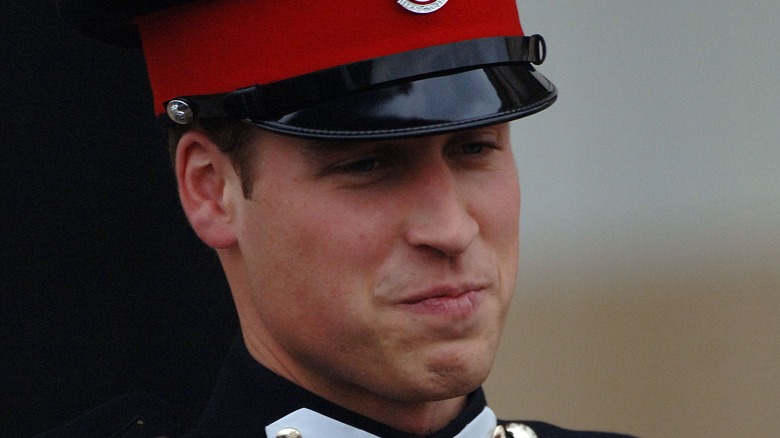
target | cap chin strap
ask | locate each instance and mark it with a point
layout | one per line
(264, 102)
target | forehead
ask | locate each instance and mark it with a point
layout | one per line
(317, 147)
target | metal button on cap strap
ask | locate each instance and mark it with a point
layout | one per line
(180, 111)
(288, 432)
(513, 430)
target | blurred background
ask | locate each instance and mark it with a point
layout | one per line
(647, 299)
(104, 290)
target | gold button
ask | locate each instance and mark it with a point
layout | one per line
(288, 432)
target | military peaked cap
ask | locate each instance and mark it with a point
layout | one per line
(351, 69)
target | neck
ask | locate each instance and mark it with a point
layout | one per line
(415, 417)
(418, 418)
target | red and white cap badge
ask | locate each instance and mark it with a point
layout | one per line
(422, 6)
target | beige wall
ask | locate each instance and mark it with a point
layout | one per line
(649, 292)
(671, 356)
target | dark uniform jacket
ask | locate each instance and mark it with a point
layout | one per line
(251, 401)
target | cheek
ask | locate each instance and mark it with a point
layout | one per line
(497, 209)
(498, 213)
(314, 291)
(320, 254)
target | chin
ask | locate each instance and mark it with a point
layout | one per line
(453, 389)
(458, 374)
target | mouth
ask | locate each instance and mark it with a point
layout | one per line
(453, 302)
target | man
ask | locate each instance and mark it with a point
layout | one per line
(350, 164)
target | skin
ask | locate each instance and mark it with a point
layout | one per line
(375, 274)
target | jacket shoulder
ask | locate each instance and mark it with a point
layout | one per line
(136, 415)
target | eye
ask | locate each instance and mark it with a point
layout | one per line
(472, 150)
(476, 148)
(475, 153)
(359, 166)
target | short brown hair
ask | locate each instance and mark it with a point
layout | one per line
(232, 137)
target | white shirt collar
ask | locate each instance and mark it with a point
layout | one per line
(311, 424)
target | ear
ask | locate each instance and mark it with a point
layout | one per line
(206, 181)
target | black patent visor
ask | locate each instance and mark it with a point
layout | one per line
(422, 92)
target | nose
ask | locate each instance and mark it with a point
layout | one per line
(439, 217)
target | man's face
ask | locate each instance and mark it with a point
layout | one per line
(374, 271)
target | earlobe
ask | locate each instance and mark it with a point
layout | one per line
(205, 176)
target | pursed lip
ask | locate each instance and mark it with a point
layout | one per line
(451, 301)
(443, 292)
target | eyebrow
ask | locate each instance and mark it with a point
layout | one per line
(317, 149)
(316, 146)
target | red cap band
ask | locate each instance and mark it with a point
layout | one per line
(218, 46)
